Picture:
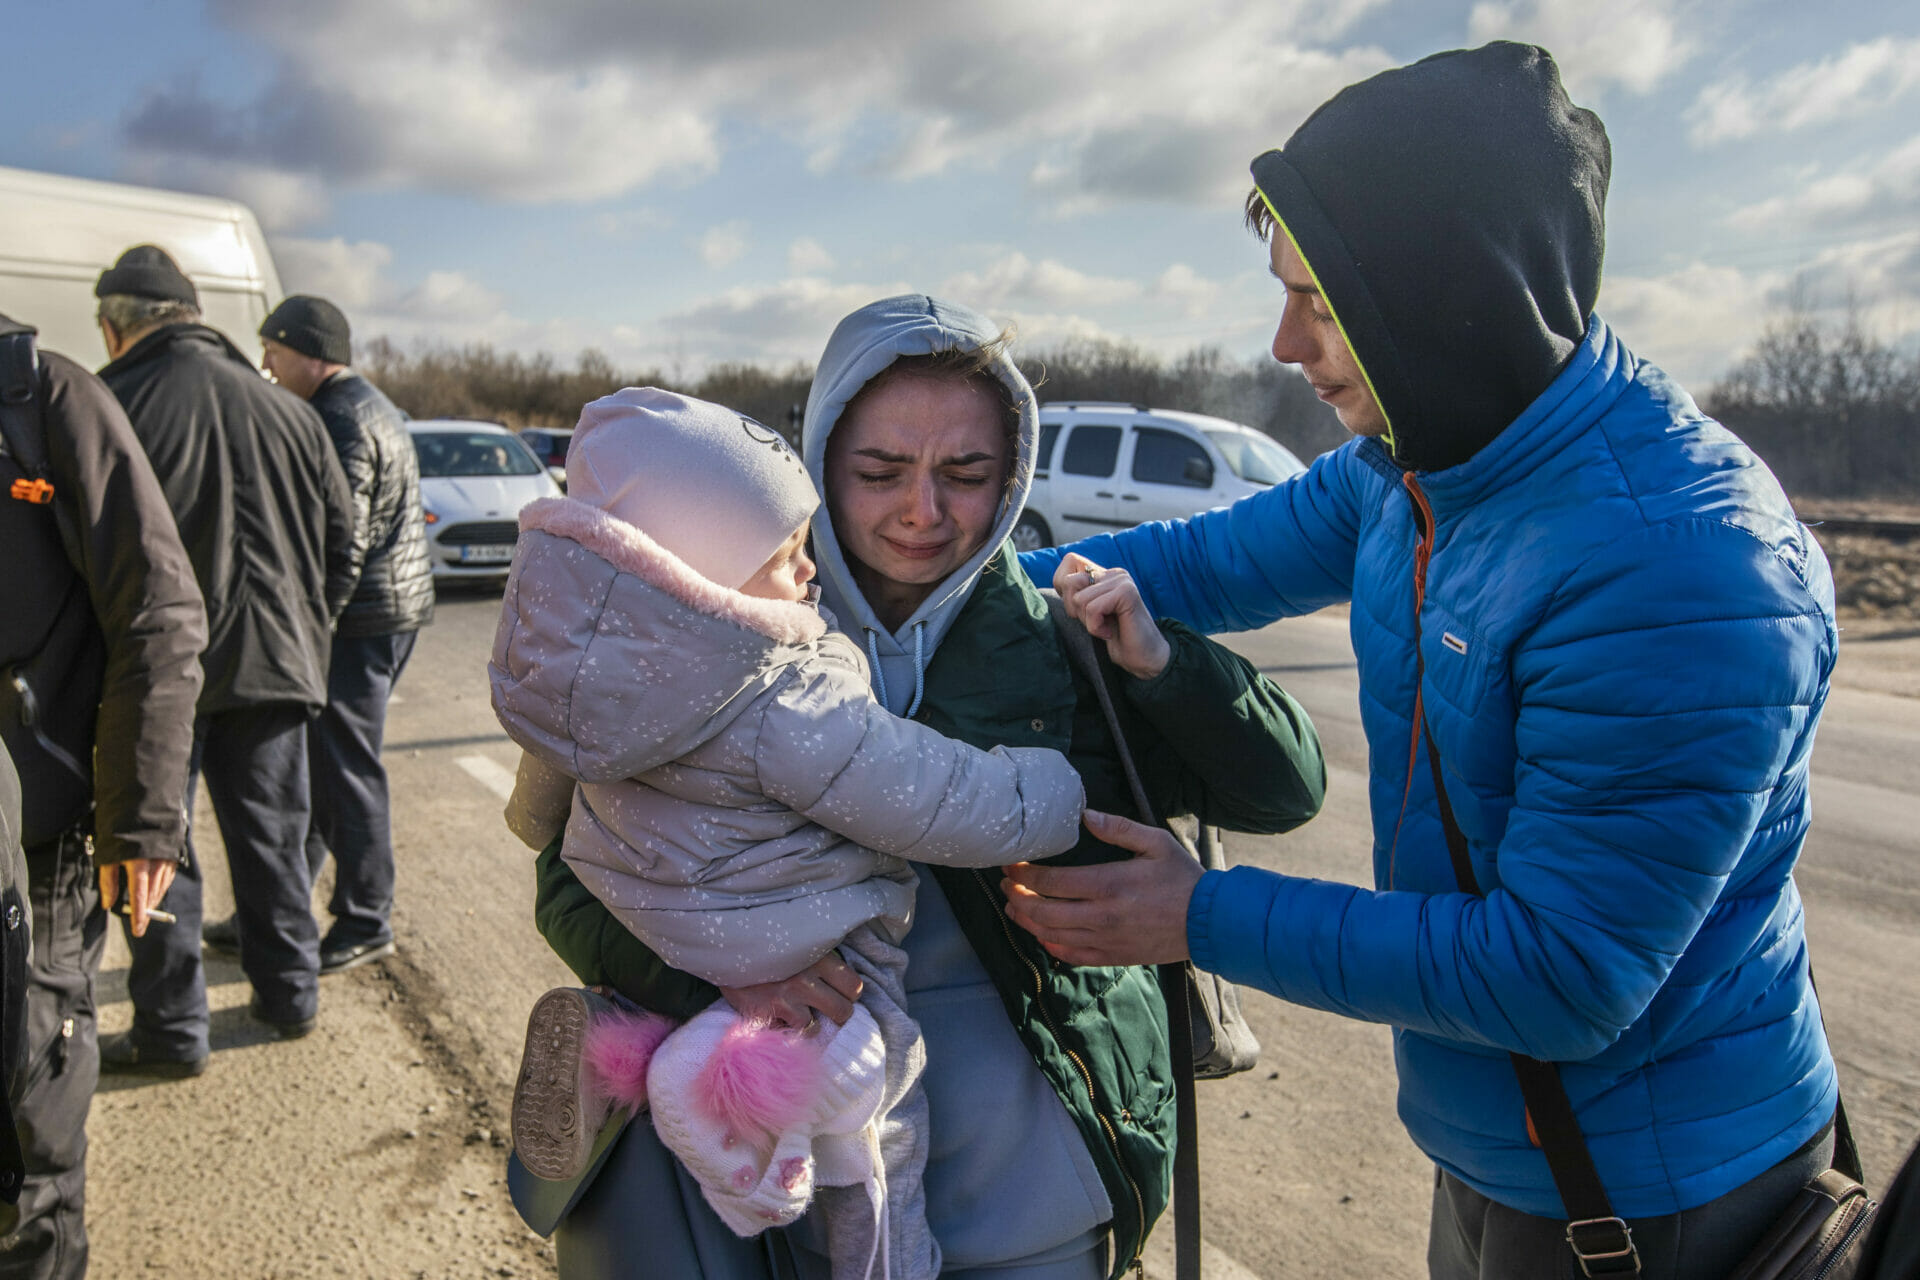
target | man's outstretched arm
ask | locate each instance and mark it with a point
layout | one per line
(1281, 552)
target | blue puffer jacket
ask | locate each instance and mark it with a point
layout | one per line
(1627, 638)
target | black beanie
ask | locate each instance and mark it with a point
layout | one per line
(312, 326)
(1453, 215)
(145, 271)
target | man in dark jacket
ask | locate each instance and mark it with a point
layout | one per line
(99, 671)
(308, 348)
(266, 517)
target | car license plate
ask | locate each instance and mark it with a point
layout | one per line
(486, 555)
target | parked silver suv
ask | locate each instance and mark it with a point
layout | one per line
(1103, 466)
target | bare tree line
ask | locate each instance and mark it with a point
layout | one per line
(1832, 408)
(534, 391)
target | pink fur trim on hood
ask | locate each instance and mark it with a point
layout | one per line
(629, 550)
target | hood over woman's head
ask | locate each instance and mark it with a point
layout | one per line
(1451, 213)
(887, 350)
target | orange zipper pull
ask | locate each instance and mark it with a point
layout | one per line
(38, 492)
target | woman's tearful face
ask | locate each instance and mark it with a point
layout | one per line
(916, 472)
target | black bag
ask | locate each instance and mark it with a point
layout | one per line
(1223, 1042)
(48, 699)
(1892, 1250)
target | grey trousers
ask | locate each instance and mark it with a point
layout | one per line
(1473, 1238)
(62, 1064)
(643, 1218)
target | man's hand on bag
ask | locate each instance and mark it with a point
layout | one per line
(147, 881)
(1107, 603)
(828, 987)
(1132, 912)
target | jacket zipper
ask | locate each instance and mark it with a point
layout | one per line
(1841, 1250)
(1086, 1076)
(1422, 554)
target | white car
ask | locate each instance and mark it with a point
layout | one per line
(474, 478)
(1102, 467)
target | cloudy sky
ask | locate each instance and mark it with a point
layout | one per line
(679, 182)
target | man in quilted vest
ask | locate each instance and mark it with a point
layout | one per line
(308, 350)
(1590, 632)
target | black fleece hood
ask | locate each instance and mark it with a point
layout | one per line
(1452, 212)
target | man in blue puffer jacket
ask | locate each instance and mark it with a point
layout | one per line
(1601, 608)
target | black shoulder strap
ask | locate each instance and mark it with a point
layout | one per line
(1079, 645)
(22, 430)
(1173, 977)
(1549, 1110)
(1599, 1238)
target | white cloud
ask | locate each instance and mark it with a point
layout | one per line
(724, 245)
(807, 257)
(1187, 289)
(1885, 191)
(281, 200)
(785, 321)
(444, 306)
(350, 275)
(1694, 321)
(451, 297)
(1698, 321)
(1635, 43)
(582, 101)
(1859, 80)
(1017, 279)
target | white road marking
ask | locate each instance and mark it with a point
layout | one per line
(495, 777)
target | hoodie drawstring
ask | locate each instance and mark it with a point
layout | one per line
(919, 667)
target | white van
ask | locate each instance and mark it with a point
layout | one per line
(57, 234)
(1102, 467)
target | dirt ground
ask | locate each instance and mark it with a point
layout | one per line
(1874, 577)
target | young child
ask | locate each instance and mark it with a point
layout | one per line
(743, 807)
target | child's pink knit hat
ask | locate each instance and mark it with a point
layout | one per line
(712, 486)
(759, 1115)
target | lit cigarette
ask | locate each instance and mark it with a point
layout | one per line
(164, 917)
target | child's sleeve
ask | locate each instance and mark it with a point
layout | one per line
(542, 797)
(829, 751)
(600, 950)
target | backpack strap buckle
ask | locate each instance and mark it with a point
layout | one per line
(1604, 1247)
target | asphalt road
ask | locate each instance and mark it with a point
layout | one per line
(373, 1147)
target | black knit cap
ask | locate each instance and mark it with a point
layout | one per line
(1453, 215)
(313, 327)
(146, 271)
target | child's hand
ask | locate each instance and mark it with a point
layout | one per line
(828, 986)
(1108, 604)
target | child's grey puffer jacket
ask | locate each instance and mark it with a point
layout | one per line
(741, 789)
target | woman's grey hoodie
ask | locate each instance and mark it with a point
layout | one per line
(864, 344)
(744, 801)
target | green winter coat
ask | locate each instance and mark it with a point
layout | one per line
(1212, 737)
